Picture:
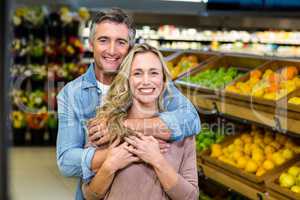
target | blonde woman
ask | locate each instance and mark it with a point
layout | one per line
(134, 168)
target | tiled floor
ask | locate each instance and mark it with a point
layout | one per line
(34, 175)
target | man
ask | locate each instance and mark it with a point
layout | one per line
(111, 36)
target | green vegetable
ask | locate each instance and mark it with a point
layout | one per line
(214, 79)
(206, 138)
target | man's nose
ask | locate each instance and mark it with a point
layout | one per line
(112, 49)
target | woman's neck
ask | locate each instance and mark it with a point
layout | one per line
(139, 110)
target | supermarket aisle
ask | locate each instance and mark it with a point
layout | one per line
(34, 175)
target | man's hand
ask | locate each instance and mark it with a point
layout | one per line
(98, 133)
(119, 157)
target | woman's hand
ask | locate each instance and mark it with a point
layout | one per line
(119, 157)
(145, 147)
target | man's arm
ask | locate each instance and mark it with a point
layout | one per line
(72, 159)
(150, 126)
(178, 121)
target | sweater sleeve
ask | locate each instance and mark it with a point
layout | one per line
(187, 183)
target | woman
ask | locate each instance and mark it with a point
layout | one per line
(134, 167)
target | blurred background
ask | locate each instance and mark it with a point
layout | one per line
(47, 47)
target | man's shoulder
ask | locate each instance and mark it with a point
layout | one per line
(72, 87)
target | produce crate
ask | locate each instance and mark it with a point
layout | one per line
(243, 64)
(274, 189)
(238, 173)
(290, 106)
(202, 57)
(273, 65)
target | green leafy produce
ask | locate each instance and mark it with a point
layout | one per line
(213, 78)
(206, 138)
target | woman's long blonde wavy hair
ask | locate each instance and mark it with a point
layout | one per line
(119, 97)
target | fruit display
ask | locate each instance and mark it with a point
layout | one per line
(290, 179)
(214, 78)
(185, 63)
(256, 152)
(206, 138)
(270, 84)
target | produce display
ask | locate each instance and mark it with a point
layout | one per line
(186, 62)
(257, 151)
(269, 84)
(291, 179)
(271, 43)
(214, 78)
(206, 138)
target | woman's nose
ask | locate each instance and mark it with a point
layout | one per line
(145, 79)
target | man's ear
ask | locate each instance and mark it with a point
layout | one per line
(91, 46)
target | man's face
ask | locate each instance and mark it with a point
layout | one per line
(110, 45)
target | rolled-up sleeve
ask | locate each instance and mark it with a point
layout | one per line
(187, 182)
(72, 159)
(181, 117)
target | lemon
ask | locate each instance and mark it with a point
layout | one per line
(269, 150)
(247, 149)
(294, 171)
(236, 155)
(268, 165)
(238, 142)
(216, 150)
(261, 171)
(295, 188)
(258, 157)
(286, 180)
(287, 154)
(242, 162)
(251, 166)
(278, 158)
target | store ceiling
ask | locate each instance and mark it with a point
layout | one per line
(189, 14)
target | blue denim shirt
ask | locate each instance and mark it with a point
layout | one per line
(77, 103)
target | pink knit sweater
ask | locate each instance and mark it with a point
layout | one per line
(139, 181)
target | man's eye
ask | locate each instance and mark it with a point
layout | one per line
(154, 73)
(122, 43)
(102, 40)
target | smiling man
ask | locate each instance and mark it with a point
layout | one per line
(111, 37)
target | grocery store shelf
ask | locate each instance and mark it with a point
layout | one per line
(293, 43)
(275, 118)
(239, 186)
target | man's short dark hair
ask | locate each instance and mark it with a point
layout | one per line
(116, 15)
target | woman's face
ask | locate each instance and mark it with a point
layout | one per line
(146, 77)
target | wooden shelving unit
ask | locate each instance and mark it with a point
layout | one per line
(275, 118)
(236, 184)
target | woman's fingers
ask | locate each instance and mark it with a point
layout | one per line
(132, 150)
(132, 141)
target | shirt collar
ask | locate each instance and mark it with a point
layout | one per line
(89, 78)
